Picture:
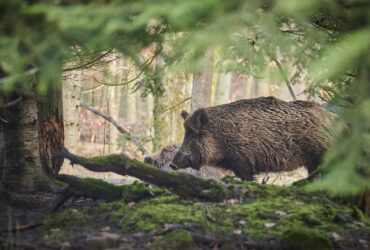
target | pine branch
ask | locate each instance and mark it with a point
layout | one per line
(283, 73)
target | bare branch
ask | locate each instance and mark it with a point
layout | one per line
(92, 89)
(11, 103)
(175, 106)
(122, 130)
(142, 69)
(89, 63)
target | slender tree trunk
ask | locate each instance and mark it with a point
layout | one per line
(158, 117)
(223, 88)
(158, 122)
(71, 109)
(202, 86)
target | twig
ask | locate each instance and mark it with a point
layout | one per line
(142, 69)
(175, 106)
(88, 63)
(92, 89)
(12, 103)
(282, 72)
(122, 130)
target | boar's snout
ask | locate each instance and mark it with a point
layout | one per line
(184, 160)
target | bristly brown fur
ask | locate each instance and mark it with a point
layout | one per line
(256, 135)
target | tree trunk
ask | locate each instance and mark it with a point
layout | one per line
(22, 170)
(51, 128)
(158, 117)
(158, 122)
(202, 86)
(223, 89)
(71, 110)
(238, 87)
(31, 130)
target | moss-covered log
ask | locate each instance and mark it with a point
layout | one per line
(182, 184)
(98, 189)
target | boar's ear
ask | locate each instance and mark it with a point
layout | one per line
(184, 114)
(201, 119)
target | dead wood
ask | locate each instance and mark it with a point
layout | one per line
(182, 184)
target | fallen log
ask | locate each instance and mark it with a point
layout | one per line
(184, 185)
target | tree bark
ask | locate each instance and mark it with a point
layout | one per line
(51, 128)
(31, 130)
(22, 171)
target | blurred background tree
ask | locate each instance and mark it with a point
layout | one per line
(323, 43)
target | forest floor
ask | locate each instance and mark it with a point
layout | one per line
(269, 217)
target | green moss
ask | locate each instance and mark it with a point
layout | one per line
(139, 190)
(152, 215)
(56, 236)
(305, 239)
(68, 218)
(104, 160)
(265, 215)
(359, 215)
(264, 212)
(179, 239)
(101, 189)
(128, 193)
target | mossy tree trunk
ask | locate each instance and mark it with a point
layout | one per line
(185, 185)
(32, 130)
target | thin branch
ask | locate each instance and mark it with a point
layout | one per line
(282, 72)
(175, 106)
(142, 69)
(92, 89)
(12, 103)
(88, 64)
(122, 130)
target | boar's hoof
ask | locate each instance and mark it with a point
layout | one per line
(173, 166)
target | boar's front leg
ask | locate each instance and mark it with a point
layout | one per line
(243, 172)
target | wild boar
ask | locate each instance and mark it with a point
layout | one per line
(255, 136)
(164, 157)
